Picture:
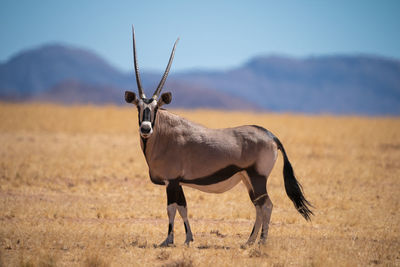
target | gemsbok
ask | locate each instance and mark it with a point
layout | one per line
(180, 152)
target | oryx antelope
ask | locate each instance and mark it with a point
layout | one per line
(180, 152)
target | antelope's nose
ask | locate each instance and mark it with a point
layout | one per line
(145, 128)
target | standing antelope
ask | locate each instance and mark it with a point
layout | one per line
(180, 152)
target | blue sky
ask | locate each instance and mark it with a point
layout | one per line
(213, 34)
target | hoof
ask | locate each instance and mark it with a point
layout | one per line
(187, 241)
(167, 243)
(262, 242)
(247, 244)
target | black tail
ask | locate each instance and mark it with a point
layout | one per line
(294, 190)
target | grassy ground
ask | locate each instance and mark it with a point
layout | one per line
(74, 190)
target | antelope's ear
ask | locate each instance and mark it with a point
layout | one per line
(165, 99)
(130, 97)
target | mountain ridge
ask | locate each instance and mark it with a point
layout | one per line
(338, 84)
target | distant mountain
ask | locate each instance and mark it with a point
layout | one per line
(76, 92)
(186, 95)
(342, 84)
(327, 84)
(56, 73)
(34, 71)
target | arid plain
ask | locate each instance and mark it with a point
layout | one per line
(75, 191)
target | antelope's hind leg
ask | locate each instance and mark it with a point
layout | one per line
(256, 186)
(267, 210)
(176, 200)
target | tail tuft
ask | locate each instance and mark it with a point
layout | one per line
(293, 188)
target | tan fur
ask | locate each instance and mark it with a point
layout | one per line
(180, 148)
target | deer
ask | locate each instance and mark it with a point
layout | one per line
(180, 152)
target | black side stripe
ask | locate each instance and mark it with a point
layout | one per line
(218, 176)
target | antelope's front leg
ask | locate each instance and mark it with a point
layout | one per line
(183, 212)
(171, 211)
(176, 200)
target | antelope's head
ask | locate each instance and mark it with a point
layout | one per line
(147, 107)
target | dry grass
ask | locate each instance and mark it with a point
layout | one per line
(74, 190)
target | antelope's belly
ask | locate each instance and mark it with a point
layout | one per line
(218, 187)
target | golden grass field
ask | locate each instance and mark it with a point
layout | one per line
(75, 191)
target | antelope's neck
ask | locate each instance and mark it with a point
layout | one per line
(167, 132)
(149, 144)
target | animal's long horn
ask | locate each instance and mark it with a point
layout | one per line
(164, 78)
(139, 83)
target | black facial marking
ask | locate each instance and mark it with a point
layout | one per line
(148, 101)
(155, 115)
(138, 111)
(146, 115)
(175, 193)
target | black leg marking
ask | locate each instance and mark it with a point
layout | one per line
(252, 231)
(188, 231)
(259, 184)
(169, 228)
(176, 200)
(175, 194)
(262, 233)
